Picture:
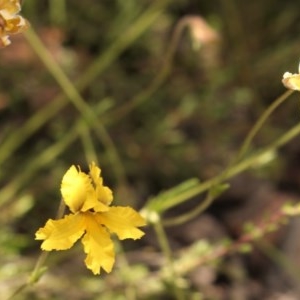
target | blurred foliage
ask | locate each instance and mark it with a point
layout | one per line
(191, 125)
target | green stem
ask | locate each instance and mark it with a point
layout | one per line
(128, 36)
(164, 244)
(18, 291)
(88, 145)
(130, 287)
(245, 146)
(76, 99)
(39, 270)
(257, 126)
(61, 209)
(58, 12)
(158, 80)
(234, 170)
(42, 159)
(191, 214)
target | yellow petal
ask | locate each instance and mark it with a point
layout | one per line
(12, 7)
(122, 221)
(98, 246)
(93, 203)
(16, 24)
(61, 234)
(77, 189)
(4, 41)
(291, 81)
(95, 173)
(104, 194)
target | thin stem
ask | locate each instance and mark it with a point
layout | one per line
(164, 244)
(88, 145)
(61, 209)
(128, 36)
(130, 287)
(58, 12)
(191, 214)
(38, 268)
(18, 291)
(76, 99)
(36, 163)
(234, 170)
(42, 159)
(35, 275)
(158, 80)
(245, 146)
(257, 126)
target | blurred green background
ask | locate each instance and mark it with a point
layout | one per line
(169, 119)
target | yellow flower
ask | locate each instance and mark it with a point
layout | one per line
(292, 81)
(10, 22)
(91, 217)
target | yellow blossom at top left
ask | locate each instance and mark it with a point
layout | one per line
(10, 21)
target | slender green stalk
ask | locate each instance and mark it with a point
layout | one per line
(39, 268)
(84, 109)
(245, 146)
(191, 214)
(166, 249)
(158, 80)
(42, 159)
(88, 145)
(258, 125)
(36, 163)
(18, 291)
(58, 11)
(61, 209)
(130, 287)
(127, 38)
(247, 163)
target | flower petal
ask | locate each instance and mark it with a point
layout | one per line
(93, 203)
(76, 189)
(123, 221)
(10, 23)
(95, 173)
(12, 7)
(16, 24)
(291, 81)
(104, 194)
(98, 246)
(61, 234)
(4, 41)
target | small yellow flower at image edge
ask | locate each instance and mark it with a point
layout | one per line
(91, 218)
(10, 21)
(292, 81)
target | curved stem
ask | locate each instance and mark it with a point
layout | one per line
(257, 126)
(76, 99)
(42, 159)
(158, 80)
(160, 206)
(17, 138)
(191, 214)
